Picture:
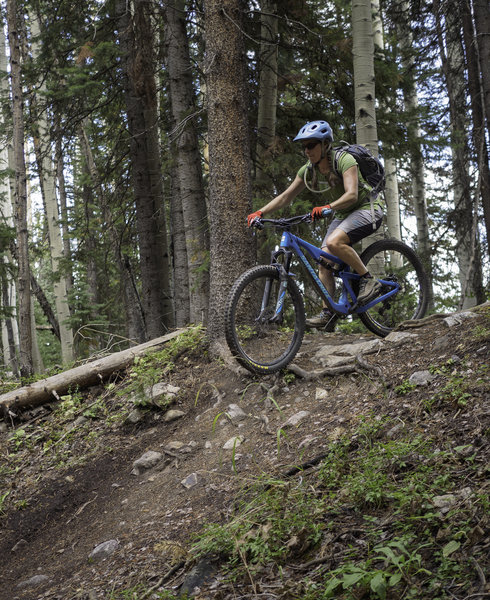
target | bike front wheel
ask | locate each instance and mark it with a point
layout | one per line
(261, 342)
(393, 260)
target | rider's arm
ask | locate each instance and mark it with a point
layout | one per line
(349, 197)
(286, 197)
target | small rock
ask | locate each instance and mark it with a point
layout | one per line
(147, 461)
(321, 394)
(236, 413)
(104, 550)
(458, 318)
(296, 419)
(399, 337)
(33, 581)
(445, 502)
(421, 378)
(19, 545)
(441, 343)
(233, 442)
(174, 445)
(162, 394)
(135, 416)
(173, 415)
(394, 431)
(190, 481)
(307, 441)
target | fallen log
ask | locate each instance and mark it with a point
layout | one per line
(51, 388)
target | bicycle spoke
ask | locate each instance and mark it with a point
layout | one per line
(262, 340)
(392, 260)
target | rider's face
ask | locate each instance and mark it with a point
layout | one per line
(313, 150)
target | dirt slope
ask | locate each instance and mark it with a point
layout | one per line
(62, 494)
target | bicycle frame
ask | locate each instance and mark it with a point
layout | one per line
(293, 245)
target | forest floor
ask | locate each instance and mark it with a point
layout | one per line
(394, 505)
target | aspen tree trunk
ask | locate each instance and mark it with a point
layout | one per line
(477, 111)
(24, 271)
(10, 332)
(364, 86)
(364, 83)
(467, 247)
(60, 174)
(391, 189)
(187, 161)
(229, 153)
(44, 157)
(482, 26)
(417, 170)
(266, 118)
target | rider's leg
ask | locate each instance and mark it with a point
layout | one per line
(327, 278)
(339, 239)
(338, 244)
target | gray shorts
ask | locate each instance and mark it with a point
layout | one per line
(357, 225)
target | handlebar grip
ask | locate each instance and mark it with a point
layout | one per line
(258, 223)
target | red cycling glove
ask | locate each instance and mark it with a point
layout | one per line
(320, 212)
(255, 215)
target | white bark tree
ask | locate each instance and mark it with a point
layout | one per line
(391, 189)
(8, 297)
(24, 270)
(47, 173)
(364, 82)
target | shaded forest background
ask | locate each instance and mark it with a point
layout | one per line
(136, 136)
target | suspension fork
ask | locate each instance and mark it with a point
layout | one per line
(283, 269)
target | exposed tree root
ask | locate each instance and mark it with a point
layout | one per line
(356, 364)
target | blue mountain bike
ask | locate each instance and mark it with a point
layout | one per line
(265, 314)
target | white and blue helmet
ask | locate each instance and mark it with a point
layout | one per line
(315, 130)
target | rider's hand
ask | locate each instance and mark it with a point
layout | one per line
(255, 215)
(320, 212)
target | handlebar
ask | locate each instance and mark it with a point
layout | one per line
(285, 223)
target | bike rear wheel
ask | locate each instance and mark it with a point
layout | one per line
(394, 260)
(259, 344)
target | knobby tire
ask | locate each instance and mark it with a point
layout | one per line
(387, 259)
(259, 345)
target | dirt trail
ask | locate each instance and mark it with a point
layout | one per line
(55, 515)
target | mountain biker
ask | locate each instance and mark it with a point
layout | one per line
(355, 217)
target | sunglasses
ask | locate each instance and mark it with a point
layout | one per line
(310, 145)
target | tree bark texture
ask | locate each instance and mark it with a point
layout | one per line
(179, 253)
(188, 161)
(482, 27)
(467, 247)
(20, 213)
(229, 153)
(267, 61)
(391, 187)
(417, 167)
(477, 111)
(10, 332)
(136, 41)
(45, 163)
(364, 83)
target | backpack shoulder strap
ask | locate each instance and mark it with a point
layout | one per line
(343, 147)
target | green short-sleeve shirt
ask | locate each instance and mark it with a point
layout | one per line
(345, 161)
